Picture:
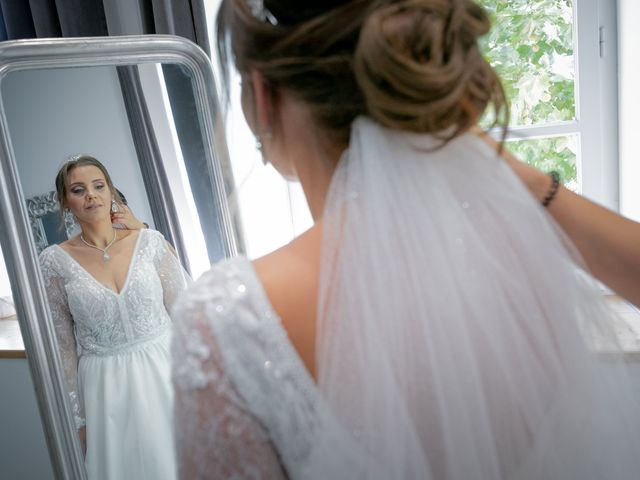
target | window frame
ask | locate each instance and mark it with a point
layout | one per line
(596, 103)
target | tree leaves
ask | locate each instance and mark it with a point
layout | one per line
(531, 47)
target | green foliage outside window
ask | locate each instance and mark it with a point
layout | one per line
(552, 153)
(531, 47)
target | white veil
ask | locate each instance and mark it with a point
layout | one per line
(456, 336)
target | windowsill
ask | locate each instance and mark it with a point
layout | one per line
(11, 344)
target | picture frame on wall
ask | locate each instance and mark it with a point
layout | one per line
(46, 221)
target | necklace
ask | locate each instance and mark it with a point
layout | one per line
(105, 255)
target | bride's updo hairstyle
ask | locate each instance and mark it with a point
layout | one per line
(413, 65)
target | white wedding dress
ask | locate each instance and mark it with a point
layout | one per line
(457, 339)
(115, 349)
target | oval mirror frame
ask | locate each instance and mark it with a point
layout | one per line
(16, 238)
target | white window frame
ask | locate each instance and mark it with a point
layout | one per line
(629, 100)
(596, 107)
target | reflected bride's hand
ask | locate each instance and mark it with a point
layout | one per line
(124, 216)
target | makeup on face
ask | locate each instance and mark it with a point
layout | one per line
(88, 190)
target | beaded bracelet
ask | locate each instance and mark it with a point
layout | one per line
(555, 183)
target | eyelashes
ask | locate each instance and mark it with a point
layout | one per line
(80, 191)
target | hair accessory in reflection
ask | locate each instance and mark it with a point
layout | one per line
(260, 12)
(73, 158)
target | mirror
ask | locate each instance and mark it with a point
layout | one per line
(146, 108)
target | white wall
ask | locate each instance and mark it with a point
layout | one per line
(55, 113)
(629, 102)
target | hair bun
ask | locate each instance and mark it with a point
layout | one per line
(419, 67)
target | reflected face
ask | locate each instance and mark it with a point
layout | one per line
(88, 194)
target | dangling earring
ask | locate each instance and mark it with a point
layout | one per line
(69, 218)
(114, 206)
(267, 135)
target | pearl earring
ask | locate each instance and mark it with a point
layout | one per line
(114, 206)
(267, 135)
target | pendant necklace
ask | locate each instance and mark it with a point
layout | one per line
(105, 255)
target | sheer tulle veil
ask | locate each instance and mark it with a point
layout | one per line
(457, 338)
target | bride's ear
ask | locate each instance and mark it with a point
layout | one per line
(263, 103)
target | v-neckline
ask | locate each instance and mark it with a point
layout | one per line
(134, 255)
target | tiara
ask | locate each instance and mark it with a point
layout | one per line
(260, 12)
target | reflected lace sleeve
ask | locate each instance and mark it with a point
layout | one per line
(173, 277)
(216, 434)
(65, 334)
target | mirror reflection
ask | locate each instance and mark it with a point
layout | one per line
(111, 267)
(10, 339)
(109, 292)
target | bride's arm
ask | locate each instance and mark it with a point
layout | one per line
(216, 434)
(609, 243)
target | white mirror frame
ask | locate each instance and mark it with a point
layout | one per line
(16, 237)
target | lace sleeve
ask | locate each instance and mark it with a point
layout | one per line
(65, 333)
(216, 434)
(173, 277)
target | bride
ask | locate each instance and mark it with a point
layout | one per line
(109, 292)
(434, 323)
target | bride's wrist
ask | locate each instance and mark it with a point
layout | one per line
(538, 183)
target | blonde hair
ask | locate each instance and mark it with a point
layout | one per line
(413, 65)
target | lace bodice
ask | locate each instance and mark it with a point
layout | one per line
(245, 405)
(91, 319)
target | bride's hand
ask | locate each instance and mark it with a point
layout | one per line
(124, 216)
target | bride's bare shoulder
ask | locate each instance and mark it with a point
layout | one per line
(292, 268)
(290, 278)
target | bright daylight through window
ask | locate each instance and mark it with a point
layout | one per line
(531, 47)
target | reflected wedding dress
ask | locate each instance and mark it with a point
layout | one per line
(456, 339)
(116, 356)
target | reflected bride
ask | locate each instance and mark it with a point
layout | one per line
(109, 292)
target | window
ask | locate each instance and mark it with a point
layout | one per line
(557, 59)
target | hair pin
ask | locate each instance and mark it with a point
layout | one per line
(261, 13)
